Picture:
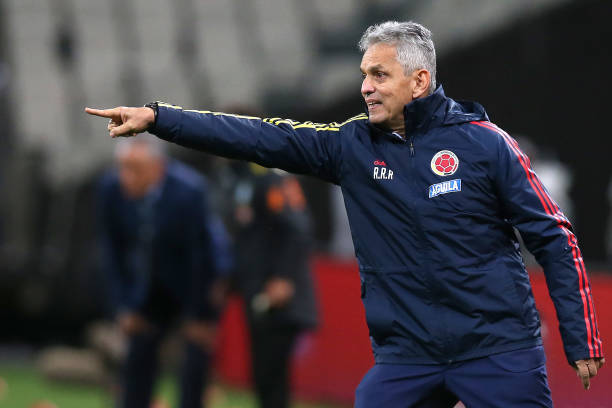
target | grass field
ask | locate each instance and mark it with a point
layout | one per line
(21, 387)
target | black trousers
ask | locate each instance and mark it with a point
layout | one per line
(141, 369)
(271, 347)
(141, 365)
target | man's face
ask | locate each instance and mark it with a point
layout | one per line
(385, 88)
(139, 170)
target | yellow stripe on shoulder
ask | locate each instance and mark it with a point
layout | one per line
(334, 126)
(205, 112)
(361, 116)
(167, 105)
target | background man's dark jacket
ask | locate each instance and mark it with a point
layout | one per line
(162, 240)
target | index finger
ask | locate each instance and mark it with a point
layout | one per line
(592, 368)
(105, 113)
(583, 373)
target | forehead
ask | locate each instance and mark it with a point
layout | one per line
(381, 54)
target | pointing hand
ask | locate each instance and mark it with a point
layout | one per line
(124, 121)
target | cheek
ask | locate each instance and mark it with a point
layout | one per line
(389, 99)
(399, 101)
(130, 181)
(125, 179)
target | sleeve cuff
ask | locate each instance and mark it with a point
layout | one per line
(168, 123)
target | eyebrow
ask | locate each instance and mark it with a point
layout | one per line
(373, 67)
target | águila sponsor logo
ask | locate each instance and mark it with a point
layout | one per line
(445, 187)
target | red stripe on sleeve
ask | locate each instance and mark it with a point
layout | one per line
(553, 205)
(552, 209)
(565, 225)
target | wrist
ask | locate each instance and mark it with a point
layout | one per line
(155, 108)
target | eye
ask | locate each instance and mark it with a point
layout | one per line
(363, 75)
(380, 74)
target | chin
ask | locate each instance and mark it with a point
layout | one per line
(380, 122)
(376, 119)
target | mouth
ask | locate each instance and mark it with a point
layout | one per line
(372, 105)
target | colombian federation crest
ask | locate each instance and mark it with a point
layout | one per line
(444, 163)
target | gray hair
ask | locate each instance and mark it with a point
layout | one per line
(415, 48)
(155, 147)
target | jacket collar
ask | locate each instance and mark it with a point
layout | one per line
(420, 114)
(433, 111)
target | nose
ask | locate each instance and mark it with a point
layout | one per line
(366, 87)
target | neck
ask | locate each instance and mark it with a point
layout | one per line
(401, 130)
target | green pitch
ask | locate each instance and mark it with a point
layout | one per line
(23, 386)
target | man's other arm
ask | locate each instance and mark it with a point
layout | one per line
(549, 236)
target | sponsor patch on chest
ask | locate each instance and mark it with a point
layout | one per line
(381, 171)
(445, 187)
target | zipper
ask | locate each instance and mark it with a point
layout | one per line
(432, 286)
(406, 140)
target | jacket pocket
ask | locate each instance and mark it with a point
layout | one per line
(523, 295)
(378, 309)
(519, 361)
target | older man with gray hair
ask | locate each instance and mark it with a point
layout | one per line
(157, 252)
(432, 190)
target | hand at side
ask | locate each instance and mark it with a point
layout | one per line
(587, 369)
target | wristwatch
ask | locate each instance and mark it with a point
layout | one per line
(155, 107)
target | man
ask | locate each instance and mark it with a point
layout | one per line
(272, 244)
(157, 253)
(432, 190)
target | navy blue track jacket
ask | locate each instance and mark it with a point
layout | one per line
(431, 217)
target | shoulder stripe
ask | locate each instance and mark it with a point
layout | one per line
(334, 126)
(167, 105)
(205, 112)
(361, 116)
(551, 208)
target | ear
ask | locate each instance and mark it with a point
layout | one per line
(422, 79)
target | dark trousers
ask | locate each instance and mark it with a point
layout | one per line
(515, 379)
(141, 369)
(141, 365)
(271, 348)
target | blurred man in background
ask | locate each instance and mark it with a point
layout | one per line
(272, 235)
(157, 252)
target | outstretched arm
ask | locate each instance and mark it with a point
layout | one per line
(297, 147)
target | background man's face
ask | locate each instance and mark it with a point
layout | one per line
(385, 88)
(139, 170)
